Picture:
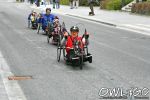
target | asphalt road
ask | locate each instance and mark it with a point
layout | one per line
(120, 58)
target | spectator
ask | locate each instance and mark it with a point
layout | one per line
(54, 3)
(57, 4)
(31, 1)
(91, 4)
(37, 3)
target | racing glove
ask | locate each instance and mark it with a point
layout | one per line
(66, 35)
(86, 35)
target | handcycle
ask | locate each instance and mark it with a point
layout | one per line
(32, 21)
(78, 54)
(55, 33)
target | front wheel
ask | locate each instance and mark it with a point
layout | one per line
(29, 23)
(48, 38)
(38, 29)
(58, 53)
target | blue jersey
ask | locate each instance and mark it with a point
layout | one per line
(46, 18)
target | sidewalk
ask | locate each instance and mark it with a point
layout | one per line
(114, 18)
(3, 94)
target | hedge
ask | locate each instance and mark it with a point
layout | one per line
(82, 2)
(141, 8)
(113, 4)
(64, 2)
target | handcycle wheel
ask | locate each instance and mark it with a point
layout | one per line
(58, 54)
(58, 51)
(81, 62)
(64, 53)
(38, 29)
(48, 38)
(29, 23)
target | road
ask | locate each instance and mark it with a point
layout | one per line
(120, 58)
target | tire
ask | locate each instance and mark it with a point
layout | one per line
(48, 39)
(64, 54)
(59, 40)
(58, 53)
(29, 23)
(38, 29)
(81, 63)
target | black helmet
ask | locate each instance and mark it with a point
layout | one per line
(74, 28)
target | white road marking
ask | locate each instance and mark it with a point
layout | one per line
(12, 87)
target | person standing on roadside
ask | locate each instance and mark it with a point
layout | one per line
(31, 1)
(57, 4)
(75, 3)
(91, 4)
(54, 3)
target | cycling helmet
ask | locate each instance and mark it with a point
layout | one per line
(74, 28)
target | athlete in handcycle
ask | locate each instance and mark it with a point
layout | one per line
(56, 34)
(75, 47)
(46, 22)
(32, 20)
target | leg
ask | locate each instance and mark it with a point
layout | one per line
(58, 5)
(44, 27)
(74, 3)
(71, 5)
(77, 3)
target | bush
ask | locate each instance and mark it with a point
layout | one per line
(113, 4)
(141, 8)
(82, 2)
(64, 2)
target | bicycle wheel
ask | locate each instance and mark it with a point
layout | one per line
(48, 38)
(58, 53)
(38, 29)
(29, 23)
(58, 50)
(81, 62)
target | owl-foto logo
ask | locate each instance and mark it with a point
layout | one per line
(120, 93)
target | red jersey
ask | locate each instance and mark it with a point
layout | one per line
(69, 42)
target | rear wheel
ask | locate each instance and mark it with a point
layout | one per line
(81, 62)
(38, 29)
(29, 23)
(48, 38)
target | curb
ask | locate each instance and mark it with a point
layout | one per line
(98, 21)
(94, 20)
(102, 22)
